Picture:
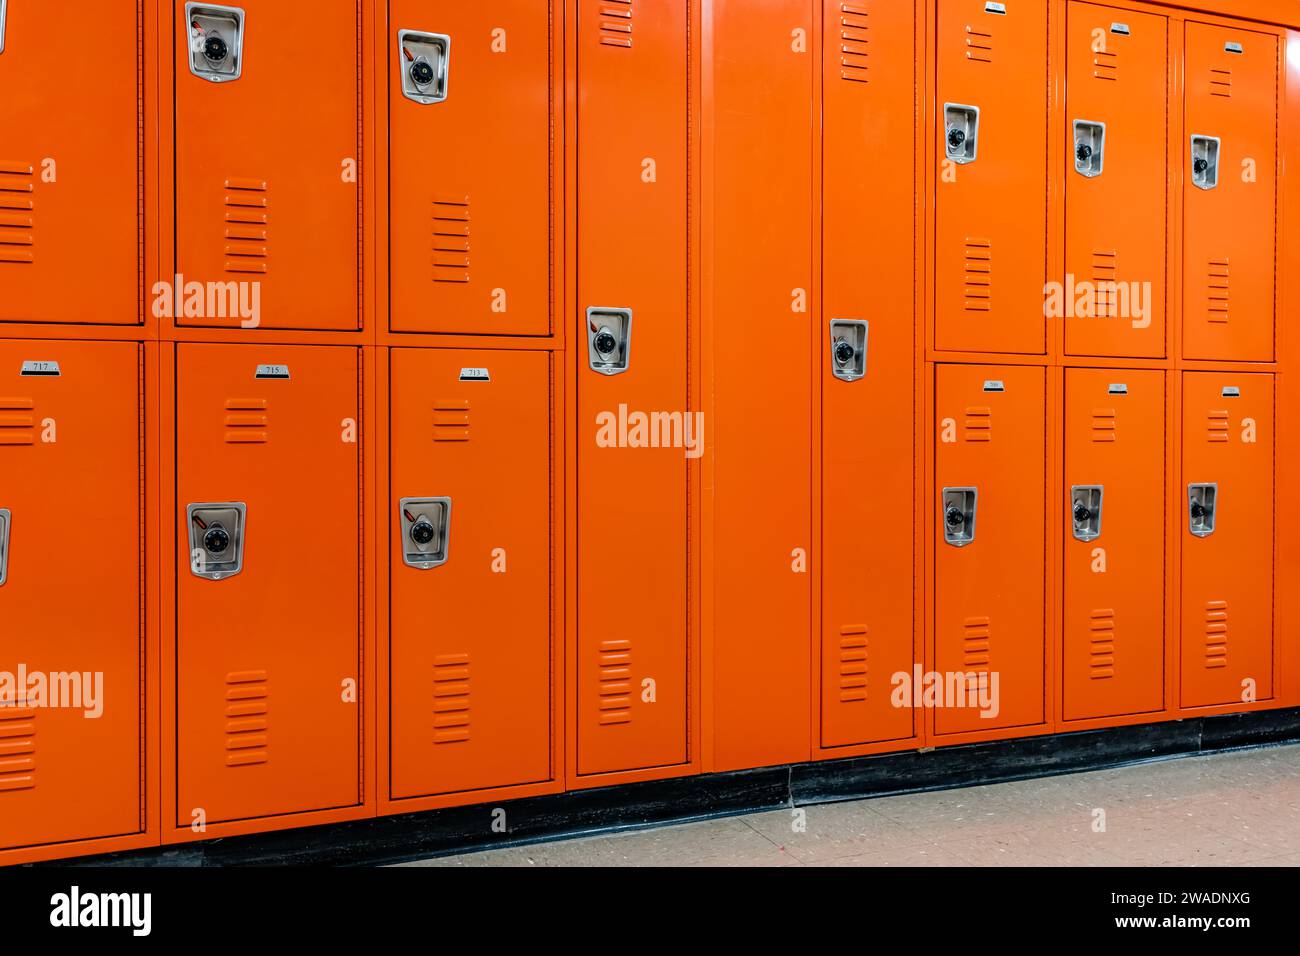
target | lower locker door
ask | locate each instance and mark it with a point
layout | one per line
(989, 552)
(471, 607)
(71, 639)
(1227, 535)
(268, 602)
(1114, 660)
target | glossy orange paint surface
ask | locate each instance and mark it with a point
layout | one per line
(1116, 220)
(868, 273)
(1227, 627)
(1114, 584)
(471, 639)
(1229, 231)
(470, 185)
(70, 169)
(632, 501)
(989, 594)
(268, 166)
(70, 452)
(268, 660)
(991, 218)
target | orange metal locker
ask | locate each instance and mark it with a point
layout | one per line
(989, 576)
(1114, 581)
(470, 166)
(471, 563)
(762, 387)
(268, 100)
(632, 469)
(70, 166)
(1230, 194)
(1113, 296)
(868, 251)
(71, 722)
(991, 194)
(1227, 534)
(268, 584)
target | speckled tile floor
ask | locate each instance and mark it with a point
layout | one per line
(1234, 809)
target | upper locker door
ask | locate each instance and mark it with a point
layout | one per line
(470, 166)
(1230, 189)
(471, 563)
(1227, 534)
(1113, 296)
(70, 164)
(989, 564)
(632, 345)
(70, 454)
(868, 271)
(268, 588)
(267, 160)
(991, 228)
(762, 104)
(1114, 660)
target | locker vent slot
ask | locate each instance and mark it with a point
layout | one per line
(17, 225)
(975, 644)
(451, 240)
(451, 420)
(1219, 286)
(17, 421)
(979, 45)
(1105, 65)
(1101, 664)
(979, 275)
(1105, 271)
(854, 39)
(979, 424)
(1104, 421)
(246, 719)
(17, 746)
(615, 682)
(246, 421)
(1216, 634)
(247, 248)
(853, 663)
(451, 699)
(1221, 83)
(616, 23)
(1217, 426)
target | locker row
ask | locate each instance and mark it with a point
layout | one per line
(211, 648)
(427, 177)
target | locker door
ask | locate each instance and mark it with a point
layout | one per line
(268, 610)
(471, 636)
(266, 163)
(1114, 542)
(632, 267)
(70, 456)
(989, 565)
(470, 175)
(1227, 534)
(868, 266)
(991, 239)
(1113, 297)
(762, 386)
(1230, 194)
(70, 187)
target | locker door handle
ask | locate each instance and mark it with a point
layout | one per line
(426, 532)
(3, 10)
(848, 349)
(959, 511)
(961, 125)
(609, 340)
(1085, 511)
(1089, 148)
(1205, 161)
(1202, 509)
(6, 521)
(216, 41)
(217, 533)
(424, 60)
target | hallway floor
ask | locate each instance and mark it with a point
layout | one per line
(1233, 809)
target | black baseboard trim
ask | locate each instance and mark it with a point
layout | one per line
(536, 819)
